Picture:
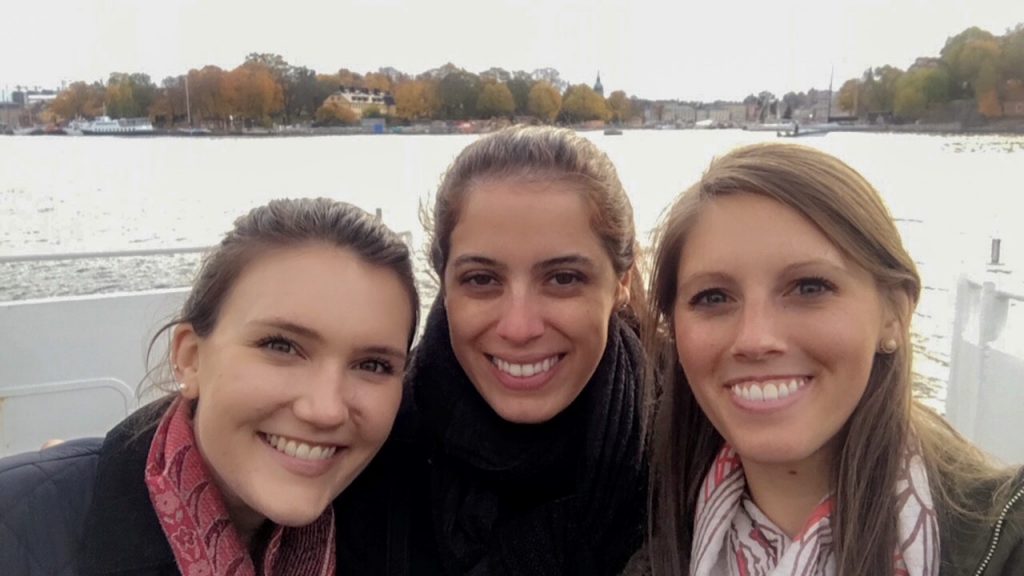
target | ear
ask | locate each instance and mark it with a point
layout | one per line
(185, 359)
(622, 292)
(896, 315)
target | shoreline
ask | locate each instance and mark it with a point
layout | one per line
(1006, 128)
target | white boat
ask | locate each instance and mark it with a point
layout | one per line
(105, 125)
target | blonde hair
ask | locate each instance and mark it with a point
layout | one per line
(850, 212)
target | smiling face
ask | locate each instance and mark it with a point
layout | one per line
(775, 329)
(299, 382)
(529, 291)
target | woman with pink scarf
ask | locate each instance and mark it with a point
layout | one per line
(787, 440)
(287, 362)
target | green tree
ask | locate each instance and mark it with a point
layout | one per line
(620, 106)
(849, 94)
(458, 93)
(495, 100)
(544, 101)
(966, 54)
(129, 95)
(1012, 63)
(580, 104)
(919, 89)
(520, 86)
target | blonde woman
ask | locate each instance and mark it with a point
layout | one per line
(787, 440)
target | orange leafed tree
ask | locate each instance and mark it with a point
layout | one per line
(416, 100)
(254, 93)
(79, 100)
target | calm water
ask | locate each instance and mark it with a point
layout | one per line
(951, 195)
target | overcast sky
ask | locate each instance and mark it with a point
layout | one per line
(707, 50)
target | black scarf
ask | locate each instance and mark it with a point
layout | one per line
(564, 497)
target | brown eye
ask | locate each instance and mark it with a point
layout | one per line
(566, 278)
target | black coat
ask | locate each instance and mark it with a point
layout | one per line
(82, 507)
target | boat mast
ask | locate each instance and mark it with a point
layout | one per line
(831, 75)
(188, 104)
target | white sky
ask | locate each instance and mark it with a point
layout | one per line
(707, 50)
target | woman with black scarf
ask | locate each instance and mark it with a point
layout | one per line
(519, 445)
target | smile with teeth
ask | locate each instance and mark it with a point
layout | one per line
(768, 390)
(298, 449)
(525, 370)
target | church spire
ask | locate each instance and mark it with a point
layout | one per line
(598, 87)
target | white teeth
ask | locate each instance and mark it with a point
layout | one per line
(783, 390)
(756, 394)
(300, 450)
(524, 370)
(767, 391)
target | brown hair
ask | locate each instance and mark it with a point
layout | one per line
(288, 223)
(849, 211)
(533, 153)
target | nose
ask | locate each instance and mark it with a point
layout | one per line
(324, 400)
(758, 331)
(521, 319)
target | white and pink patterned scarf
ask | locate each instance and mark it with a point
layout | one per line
(733, 537)
(195, 520)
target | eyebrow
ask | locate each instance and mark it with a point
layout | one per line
(299, 329)
(566, 260)
(289, 326)
(715, 275)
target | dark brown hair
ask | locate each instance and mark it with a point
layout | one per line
(290, 223)
(535, 153)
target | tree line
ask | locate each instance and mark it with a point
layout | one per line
(975, 66)
(266, 89)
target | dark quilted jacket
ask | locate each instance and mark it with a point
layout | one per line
(44, 497)
(82, 508)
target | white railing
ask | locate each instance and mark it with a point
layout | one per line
(985, 395)
(71, 367)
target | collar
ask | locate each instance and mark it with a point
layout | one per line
(121, 531)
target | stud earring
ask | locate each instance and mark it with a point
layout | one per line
(889, 346)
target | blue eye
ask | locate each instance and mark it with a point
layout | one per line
(708, 298)
(813, 286)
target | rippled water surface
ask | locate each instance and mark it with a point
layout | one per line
(950, 194)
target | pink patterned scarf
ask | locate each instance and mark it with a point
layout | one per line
(192, 514)
(733, 537)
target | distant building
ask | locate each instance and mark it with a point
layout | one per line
(359, 99)
(598, 87)
(925, 63)
(1013, 108)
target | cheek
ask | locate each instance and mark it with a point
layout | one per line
(697, 348)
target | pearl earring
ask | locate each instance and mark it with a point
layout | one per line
(889, 346)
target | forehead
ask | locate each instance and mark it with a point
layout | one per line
(751, 229)
(326, 288)
(519, 217)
